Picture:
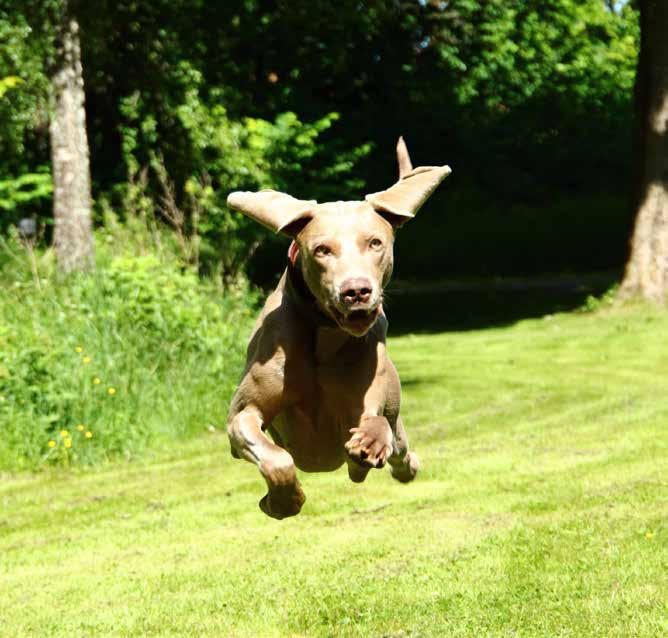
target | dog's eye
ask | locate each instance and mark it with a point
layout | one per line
(376, 243)
(322, 250)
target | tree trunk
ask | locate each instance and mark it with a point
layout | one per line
(73, 234)
(647, 268)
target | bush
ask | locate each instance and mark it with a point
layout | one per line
(218, 155)
(101, 365)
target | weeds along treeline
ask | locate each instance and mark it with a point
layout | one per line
(141, 351)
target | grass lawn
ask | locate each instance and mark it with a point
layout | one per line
(541, 510)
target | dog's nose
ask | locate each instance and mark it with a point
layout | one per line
(356, 290)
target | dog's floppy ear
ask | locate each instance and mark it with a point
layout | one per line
(277, 211)
(400, 202)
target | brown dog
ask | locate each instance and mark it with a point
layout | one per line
(317, 376)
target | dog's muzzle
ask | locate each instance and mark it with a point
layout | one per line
(356, 310)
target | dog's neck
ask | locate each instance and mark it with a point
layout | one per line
(328, 337)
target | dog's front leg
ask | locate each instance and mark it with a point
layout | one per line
(285, 496)
(369, 446)
(375, 442)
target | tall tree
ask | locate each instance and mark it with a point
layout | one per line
(647, 268)
(73, 234)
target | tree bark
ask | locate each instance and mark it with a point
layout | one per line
(647, 268)
(73, 233)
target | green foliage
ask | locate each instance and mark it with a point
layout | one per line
(507, 53)
(140, 351)
(24, 195)
(8, 83)
(25, 183)
(542, 95)
(224, 155)
(23, 90)
(24, 190)
(530, 102)
(595, 303)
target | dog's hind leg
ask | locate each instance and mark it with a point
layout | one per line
(404, 463)
(285, 496)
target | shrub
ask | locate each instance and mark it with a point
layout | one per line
(101, 365)
(219, 154)
(23, 196)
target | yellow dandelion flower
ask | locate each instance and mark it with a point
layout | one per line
(64, 433)
(111, 391)
(86, 359)
(51, 443)
(97, 381)
(81, 428)
(89, 434)
(78, 349)
(649, 535)
(68, 443)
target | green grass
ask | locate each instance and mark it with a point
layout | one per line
(541, 510)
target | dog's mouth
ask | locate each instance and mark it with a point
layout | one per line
(358, 321)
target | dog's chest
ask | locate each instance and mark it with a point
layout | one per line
(350, 372)
(332, 397)
(315, 428)
(346, 387)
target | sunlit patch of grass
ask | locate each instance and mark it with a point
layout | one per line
(540, 511)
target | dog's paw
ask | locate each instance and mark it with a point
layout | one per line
(371, 442)
(283, 501)
(405, 471)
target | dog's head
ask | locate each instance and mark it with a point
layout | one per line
(345, 249)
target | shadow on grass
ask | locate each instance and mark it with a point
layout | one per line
(417, 307)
